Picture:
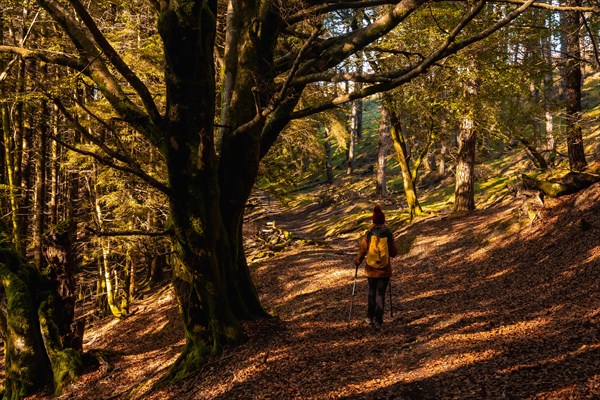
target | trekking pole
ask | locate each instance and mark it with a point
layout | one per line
(353, 289)
(391, 305)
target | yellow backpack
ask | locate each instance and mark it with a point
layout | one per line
(378, 255)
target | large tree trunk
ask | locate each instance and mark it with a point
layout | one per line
(60, 254)
(201, 244)
(26, 363)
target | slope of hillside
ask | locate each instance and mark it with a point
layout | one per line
(486, 306)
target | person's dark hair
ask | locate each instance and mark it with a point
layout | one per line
(378, 216)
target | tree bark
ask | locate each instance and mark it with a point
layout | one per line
(40, 183)
(11, 174)
(464, 192)
(573, 81)
(328, 161)
(382, 146)
(549, 94)
(201, 245)
(60, 255)
(410, 190)
(34, 352)
(350, 153)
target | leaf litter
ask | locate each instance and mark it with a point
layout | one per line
(481, 311)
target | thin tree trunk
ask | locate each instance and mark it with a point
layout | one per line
(464, 192)
(465, 169)
(382, 146)
(410, 190)
(537, 158)
(11, 170)
(573, 81)
(40, 184)
(357, 118)
(350, 153)
(442, 162)
(549, 95)
(328, 157)
(54, 173)
(128, 282)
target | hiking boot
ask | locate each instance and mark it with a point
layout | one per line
(369, 320)
(377, 325)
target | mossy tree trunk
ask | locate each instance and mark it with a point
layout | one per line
(60, 255)
(11, 175)
(25, 361)
(201, 244)
(408, 178)
(35, 352)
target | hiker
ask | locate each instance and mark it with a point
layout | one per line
(377, 245)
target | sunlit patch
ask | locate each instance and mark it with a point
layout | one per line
(520, 330)
(424, 295)
(452, 362)
(19, 343)
(498, 274)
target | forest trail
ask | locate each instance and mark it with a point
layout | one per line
(485, 307)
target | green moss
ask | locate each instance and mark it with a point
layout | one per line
(191, 360)
(66, 363)
(66, 367)
(24, 359)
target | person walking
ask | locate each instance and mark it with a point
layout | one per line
(377, 246)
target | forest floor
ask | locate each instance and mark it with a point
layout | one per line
(488, 305)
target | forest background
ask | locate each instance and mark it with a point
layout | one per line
(134, 135)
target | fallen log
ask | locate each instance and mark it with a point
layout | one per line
(568, 184)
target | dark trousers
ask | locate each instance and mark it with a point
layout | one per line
(377, 287)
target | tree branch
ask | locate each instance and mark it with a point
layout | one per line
(98, 72)
(137, 172)
(129, 233)
(447, 48)
(331, 51)
(551, 7)
(45, 56)
(279, 97)
(118, 62)
(334, 6)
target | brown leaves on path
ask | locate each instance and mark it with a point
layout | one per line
(485, 308)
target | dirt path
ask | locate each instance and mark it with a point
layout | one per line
(485, 308)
